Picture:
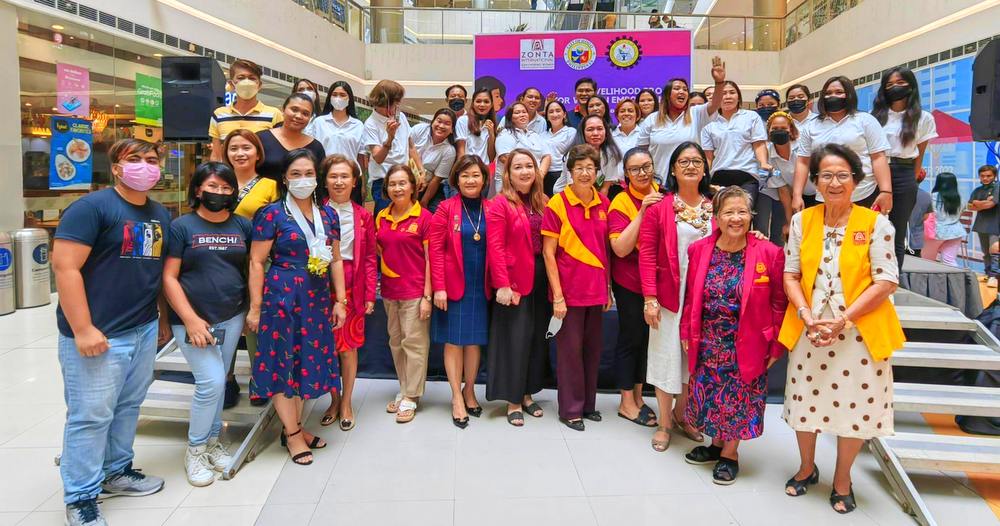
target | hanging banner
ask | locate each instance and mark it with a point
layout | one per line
(71, 163)
(148, 100)
(622, 62)
(72, 90)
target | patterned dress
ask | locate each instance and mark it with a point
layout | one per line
(295, 349)
(467, 321)
(721, 404)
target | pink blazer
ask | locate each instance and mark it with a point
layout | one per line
(659, 263)
(445, 248)
(365, 262)
(511, 257)
(762, 307)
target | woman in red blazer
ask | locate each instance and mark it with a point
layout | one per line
(733, 308)
(458, 277)
(518, 358)
(357, 248)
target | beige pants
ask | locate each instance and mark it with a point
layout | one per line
(409, 341)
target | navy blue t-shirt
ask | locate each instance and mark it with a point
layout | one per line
(213, 265)
(122, 276)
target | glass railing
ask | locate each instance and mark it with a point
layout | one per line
(457, 24)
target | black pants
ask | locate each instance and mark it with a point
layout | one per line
(904, 198)
(985, 241)
(549, 182)
(769, 218)
(739, 178)
(633, 338)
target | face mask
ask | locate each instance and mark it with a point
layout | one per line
(456, 104)
(302, 188)
(780, 137)
(246, 89)
(897, 93)
(835, 103)
(797, 106)
(309, 93)
(339, 103)
(765, 113)
(140, 176)
(216, 202)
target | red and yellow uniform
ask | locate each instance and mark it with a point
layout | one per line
(401, 242)
(582, 256)
(624, 208)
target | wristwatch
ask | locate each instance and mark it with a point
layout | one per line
(798, 312)
(428, 298)
(652, 303)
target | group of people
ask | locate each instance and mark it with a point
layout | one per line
(659, 216)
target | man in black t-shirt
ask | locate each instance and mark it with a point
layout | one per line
(983, 202)
(108, 262)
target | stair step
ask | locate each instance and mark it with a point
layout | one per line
(173, 400)
(174, 361)
(942, 318)
(946, 399)
(947, 356)
(946, 452)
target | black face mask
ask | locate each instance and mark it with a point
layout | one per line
(834, 104)
(216, 202)
(456, 104)
(897, 93)
(765, 113)
(780, 137)
(797, 106)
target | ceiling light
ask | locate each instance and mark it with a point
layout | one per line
(57, 27)
(157, 55)
(28, 104)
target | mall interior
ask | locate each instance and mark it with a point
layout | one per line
(428, 472)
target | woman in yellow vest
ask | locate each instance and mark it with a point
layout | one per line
(840, 270)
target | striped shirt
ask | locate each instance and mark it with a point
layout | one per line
(226, 120)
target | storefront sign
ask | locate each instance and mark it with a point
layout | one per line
(72, 90)
(148, 100)
(71, 159)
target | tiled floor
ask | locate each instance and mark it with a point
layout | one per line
(429, 472)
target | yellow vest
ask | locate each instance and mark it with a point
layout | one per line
(880, 328)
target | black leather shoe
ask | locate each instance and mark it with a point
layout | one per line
(593, 416)
(575, 425)
(232, 396)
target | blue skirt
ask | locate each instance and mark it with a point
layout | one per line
(467, 321)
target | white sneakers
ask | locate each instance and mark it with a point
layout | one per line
(201, 462)
(218, 455)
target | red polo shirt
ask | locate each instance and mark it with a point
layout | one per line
(624, 208)
(401, 245)
(582, 256)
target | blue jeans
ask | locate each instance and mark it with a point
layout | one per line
(103, 394)
(209, 366)
(380, 200)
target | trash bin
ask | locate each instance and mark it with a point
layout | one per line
(8, 302)
(31, 265)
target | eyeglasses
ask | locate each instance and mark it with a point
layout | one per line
(646, 169)
(584, 170)
(734, 214)
(219, 189)
(684, 163)
(842, 177)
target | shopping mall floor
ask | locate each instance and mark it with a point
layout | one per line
(429, 472)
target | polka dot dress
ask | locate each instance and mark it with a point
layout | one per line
(839, 389)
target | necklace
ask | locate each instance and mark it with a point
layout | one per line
(477, 224)
(699, 217)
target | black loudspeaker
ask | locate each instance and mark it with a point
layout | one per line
(192, 88)
(985, 114)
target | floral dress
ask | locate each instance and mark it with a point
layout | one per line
(721, 404)
(295, 350)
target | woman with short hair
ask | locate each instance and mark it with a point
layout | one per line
(387, 138)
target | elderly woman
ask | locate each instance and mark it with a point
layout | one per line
(730, 326)
(840, 326)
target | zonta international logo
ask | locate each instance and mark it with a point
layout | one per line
(538, 53)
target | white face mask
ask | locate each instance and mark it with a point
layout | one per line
(309, 93)
(247, 89)
(339, 103)
(302, 188)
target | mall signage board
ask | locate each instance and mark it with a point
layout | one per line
(71, 159)
(72, 90)
(148, 100)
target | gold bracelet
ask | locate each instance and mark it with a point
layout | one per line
(558, 301)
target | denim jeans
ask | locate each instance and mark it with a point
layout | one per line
(380, 200)
(103, 394)
(209, 366)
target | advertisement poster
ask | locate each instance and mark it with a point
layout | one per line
(622, 62)
(71, 161)
(148, 100)
(72, 90)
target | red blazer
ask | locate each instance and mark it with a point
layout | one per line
(445, 248)
(365, 262)
(762, 307)
(659, 263)
(511, 256)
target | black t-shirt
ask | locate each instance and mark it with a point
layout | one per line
(213, 265)
(123, 273)
(274, 155)
(987, 221)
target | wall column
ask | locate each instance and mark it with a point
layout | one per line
(767, 33)
(12, 196)
(387, 24)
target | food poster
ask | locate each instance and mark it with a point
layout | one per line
(71, 157)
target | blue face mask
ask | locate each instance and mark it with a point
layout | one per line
(765, 113)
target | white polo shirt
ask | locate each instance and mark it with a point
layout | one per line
(376, 134)
(786, 172)
(345, 138)
(529, 140)
(858, 131)
(538, 123)
(732, 141)
(477, 145)
(926, 130)
(436, 158)
(608, 169)
(559, 144)
(662, 140)
(624, 143)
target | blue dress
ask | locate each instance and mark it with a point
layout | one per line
(296, 355)
(467, 320)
